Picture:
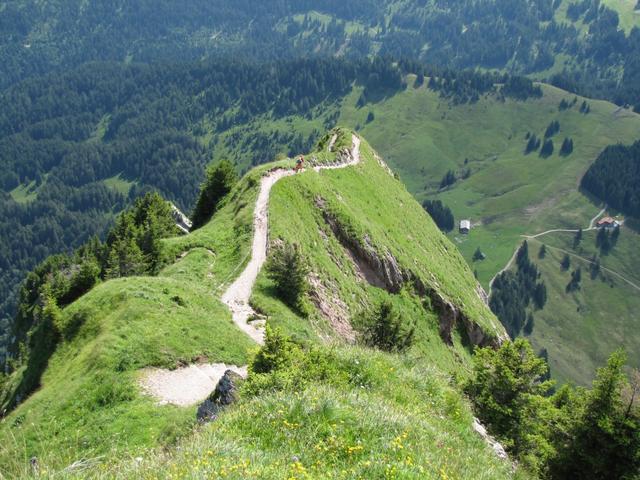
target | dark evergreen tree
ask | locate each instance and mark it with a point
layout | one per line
(448, 179)
(595, 269)
(565, 263)
(528, 326)
(577, 238)
(288, 269)
(567, 147)
(532, 145)
(540, 295)
(576, 278)
(220, 180)
(440, 213)
(387, 331)
(552, 129)
(547, 148)
(615, 178)
(542, 253)
(603, 241)
(603, 439)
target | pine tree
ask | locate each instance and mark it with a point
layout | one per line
(542, 252)
(532, 145)
(220, 180)
(604, 440)
(567, 147)
(603, 241)
(528, 326)
(595, 269)
(566, 262)
(288, 269)
(448, 179)
(577, 238)
(387, 331)
(547, 148)
(125, 259)
(540, 295)
(552, 129)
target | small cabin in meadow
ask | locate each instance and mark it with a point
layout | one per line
(607, 222)
(465, 226)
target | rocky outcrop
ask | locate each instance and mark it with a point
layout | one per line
(182, 221)
(493, 443)
(225, 393)
(382, 270)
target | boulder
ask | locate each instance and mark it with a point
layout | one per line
(225, 393)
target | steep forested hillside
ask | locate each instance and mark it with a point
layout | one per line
(581, 43)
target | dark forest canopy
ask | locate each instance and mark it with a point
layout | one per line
(615, 178)
(37, 37)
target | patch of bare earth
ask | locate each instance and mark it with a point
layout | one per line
(331, 307)
(185, 386)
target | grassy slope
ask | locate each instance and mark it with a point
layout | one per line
(89, 404)
(582, 328)
(508, 194)
(372, 203)
(402, 417)
(25, 193)
(396, 418)
(629, 17)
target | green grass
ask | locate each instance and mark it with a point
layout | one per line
(629, 17)
(581, 329)
(119, 184)
(368, 200)
(89, 403)
(25, 193)
(101, 128)
(509, 194)
(379, 416)
(400, 415)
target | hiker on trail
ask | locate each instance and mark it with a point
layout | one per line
(299, 164)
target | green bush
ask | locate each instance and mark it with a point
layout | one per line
(288, 269)
(387, 330)
(220, 180)
(576, 433)
(282, 364)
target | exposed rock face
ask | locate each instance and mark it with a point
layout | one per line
(383, 271)
(225, 393)
(328, 302)
(182, 221)
(493, 443)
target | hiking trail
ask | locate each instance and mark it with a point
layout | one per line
(236, 297)
(193, 384)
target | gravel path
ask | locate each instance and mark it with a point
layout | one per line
(185, 386)
(193, 384)
(237, 295)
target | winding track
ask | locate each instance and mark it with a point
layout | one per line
(192, 384)
(537, 235)
(236, 297)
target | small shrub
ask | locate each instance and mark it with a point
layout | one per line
(386, 330)
(287, 268)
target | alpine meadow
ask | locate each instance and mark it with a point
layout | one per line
(320, 240)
